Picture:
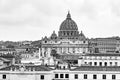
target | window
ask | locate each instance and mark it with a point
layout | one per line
(83, 41)
(96, 50)
(85, 76)
(45, 41)
(104, 76)
(4, 76)
(56, 75)
(105, 63)
(71, 33)
(115, 63)
(64, 67)
(95, 63)
(110, 63)
(75, 62)
(68, 33)
(85, 62)
(66, 75)
(90, 63)
(61, 76)
(113, 76)
(94, 76)
(76, 76)
(42, 76)
(100, 63)
(64, 33)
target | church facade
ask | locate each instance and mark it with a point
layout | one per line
(70, 44)
(68, 41)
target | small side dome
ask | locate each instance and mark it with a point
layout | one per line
(82, 36)
(54, 35)
(45, 38)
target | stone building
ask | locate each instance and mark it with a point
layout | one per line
(100, 59)
(68, 40)
(40, 72)
(105, 45)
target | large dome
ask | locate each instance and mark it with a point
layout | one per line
(68, 24)
(68, 29)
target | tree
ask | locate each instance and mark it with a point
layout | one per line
(10, 46)
(54, 54)
(96, 50)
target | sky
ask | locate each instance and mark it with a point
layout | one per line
(34, 19)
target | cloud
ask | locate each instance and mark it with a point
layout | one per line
(115, 7)
(38, 18)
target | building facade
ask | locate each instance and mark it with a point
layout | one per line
(105, 45)
(68, 41)
(39, 72)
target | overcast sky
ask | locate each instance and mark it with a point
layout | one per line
(34, 19)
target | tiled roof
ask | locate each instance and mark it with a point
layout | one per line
(103, 54)
(7, 50)
(7, 56)
(4, 59)
(27, 68)
(69, 57)
(97, 68)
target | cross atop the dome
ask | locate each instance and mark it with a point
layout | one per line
(68, 15)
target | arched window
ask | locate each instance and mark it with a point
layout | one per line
(105, 63)
(110, 63)
(68, 33)
(90, 63)
(64, 33)
(116, 63)
(45, 41)
(95, 63)
(100, 63)
(71, 33)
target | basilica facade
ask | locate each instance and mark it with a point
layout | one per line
(68, 41)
